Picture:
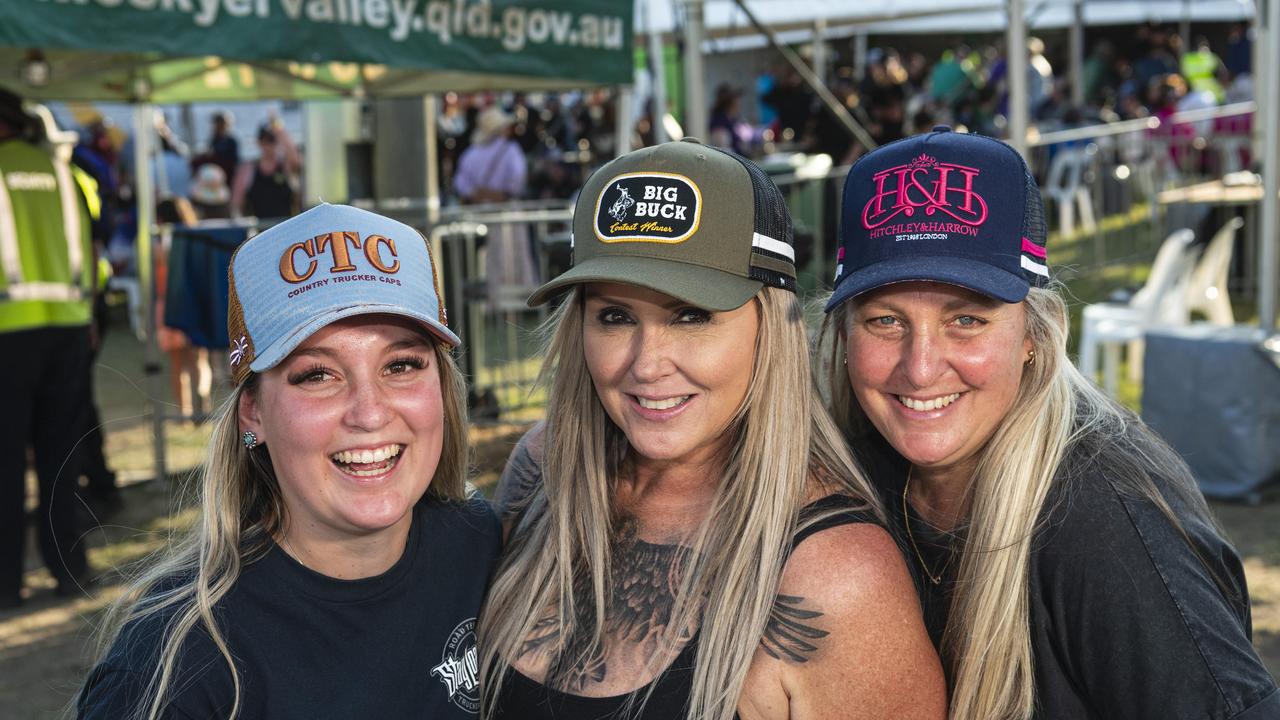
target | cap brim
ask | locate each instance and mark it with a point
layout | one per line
(279, 350)
(977, 276)
(697, 285)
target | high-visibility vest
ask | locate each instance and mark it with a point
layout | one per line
(46, 257)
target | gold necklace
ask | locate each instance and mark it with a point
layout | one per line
(906, 520)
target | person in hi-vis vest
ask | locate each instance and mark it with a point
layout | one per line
(46, 284)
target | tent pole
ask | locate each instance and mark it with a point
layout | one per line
(860, 55)
(1077, 53)
(1184, 27)
(1016, 41)
(820, 60)
(430, 128)
(622, 119)
(695, 94)
(144, 129)
(658, 66)
(1268, 268)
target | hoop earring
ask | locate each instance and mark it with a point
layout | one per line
(250, 439)
(1031, 358)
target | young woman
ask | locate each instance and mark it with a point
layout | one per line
(335, 569)
(695, 541)
(1068, 566)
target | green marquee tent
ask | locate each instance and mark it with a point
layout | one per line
(184, 50)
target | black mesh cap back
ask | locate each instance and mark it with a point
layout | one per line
(772, 220)
(1034, 227)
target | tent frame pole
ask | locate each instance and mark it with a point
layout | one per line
(1268, 267)
(695, 92)
(658, 66)
(144, 131)
(1016, 49)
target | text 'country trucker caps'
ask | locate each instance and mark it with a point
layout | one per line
(330, 262)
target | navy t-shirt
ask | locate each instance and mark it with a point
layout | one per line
(398, 645)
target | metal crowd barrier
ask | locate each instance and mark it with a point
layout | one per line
(501, 354)
(1153, 164)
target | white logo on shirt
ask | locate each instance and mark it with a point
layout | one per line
(459, 667)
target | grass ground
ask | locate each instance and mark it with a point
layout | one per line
(45, 647)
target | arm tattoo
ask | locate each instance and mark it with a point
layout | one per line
(789, 634)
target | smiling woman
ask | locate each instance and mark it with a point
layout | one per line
(1067, 564)
(689, 538)
(336, 569)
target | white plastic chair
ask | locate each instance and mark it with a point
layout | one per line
(1161, 301)
(1063, 185)
(1207, 286)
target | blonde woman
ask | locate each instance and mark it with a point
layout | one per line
(1068, 566)
(696, 541)
(335, 569)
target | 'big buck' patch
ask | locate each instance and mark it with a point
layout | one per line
(648, 207)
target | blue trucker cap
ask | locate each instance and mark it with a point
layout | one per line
(329, 263)
(944, 206)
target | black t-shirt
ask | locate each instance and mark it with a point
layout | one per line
(1126, 621)
(397, 645)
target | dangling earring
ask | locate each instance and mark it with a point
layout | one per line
(250, 439)
(1031, 358)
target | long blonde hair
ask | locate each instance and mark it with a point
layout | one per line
(557, 564)
(1058, 424)
(241, 510)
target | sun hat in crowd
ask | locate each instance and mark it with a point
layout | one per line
(492, 120)
(329, 263)
(945, 206)
(210, 186)
(693, 221)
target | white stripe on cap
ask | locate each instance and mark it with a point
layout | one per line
(777, 247)
(1035, 267)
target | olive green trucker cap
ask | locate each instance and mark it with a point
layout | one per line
(693, 221)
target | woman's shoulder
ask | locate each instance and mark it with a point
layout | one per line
(846, 564)
(471, 519)
(1122, 484)
(121, 679)
(847, 616)
(522, 474)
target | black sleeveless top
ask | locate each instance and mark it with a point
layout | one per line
(522, 698)
(270, 195)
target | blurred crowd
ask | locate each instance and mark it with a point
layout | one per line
(895, 93)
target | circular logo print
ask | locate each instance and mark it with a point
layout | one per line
(459, 667)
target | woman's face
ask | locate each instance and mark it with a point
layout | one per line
(671, 376)
(353, 421)
(935, 367)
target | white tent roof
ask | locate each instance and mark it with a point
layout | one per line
(794, 20)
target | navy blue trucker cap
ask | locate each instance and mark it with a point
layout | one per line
(945, 206)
